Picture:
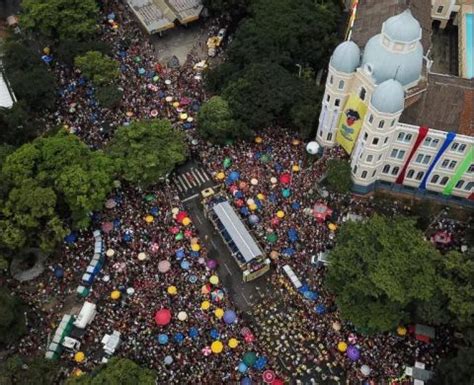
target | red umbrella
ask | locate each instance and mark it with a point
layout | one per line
(285, 178)
(181, 215)
(278, 381)
(268, 376)
(239, 202)
(163, 317)
(321, 211)
(188, 233)
(249, 338)
(107, 227)
(174, 230)
(233, 188)
(275, 221)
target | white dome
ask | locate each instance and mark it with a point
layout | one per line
(346, 57)
(402, 27)
(312, 148)
(386, 64)
(388, 97)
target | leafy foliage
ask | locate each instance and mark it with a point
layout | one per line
(146, 151)
(60, 19)
(109, 96)
(118, 371)
(68, 49)
(36, 371)
(18, 125)
(378, 268)
(12, 320)
(216, 122)
(339, 175)
(99, 68)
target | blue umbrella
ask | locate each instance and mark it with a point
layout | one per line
(127, 237)
(253, 219)
(185, 264)
(214, 334)
(242, 367)
(70, 238)
(47, 59)
(179, 254)
(229, 316)
(278, 167)
(111, 16)
(289, 251)
(163, 339)
(304, 288)
(292, 235)
(187, 126)
(320, 309)
(168, 360)
(193, 332)
(192, 279)
(58, 272)
(246, 381)
(244, 211)
(234, 176)
(117, 223)
(141, 71)
(311, 295)
(179, 337)
(286, 192)
(296, 205)
(238, 194)
(259, 204)
(260, 363)
(272, 197)
(154, 211)
(194, 254)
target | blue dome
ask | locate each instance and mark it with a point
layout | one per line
(346, 57)
(402, 66)
(402, 27)
(388, 97)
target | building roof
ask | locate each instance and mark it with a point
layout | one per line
(388, 97)
(7, 98)
(237, 231)
(186, 10)
(371, 14)
(346, 57)
(446, 105)
(154, 15)
(402, 27)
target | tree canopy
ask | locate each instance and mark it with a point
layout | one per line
(49, 181)
(146, 151)
(118, 371)
(36, 371)
(12, 320)
(339, 175)
(378, 268)
(216, 122)
(99, 68)
(60, 19)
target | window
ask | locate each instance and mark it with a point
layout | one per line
(385, 140)
(370, 158)
(328, 98)
(422, 158)
(462, 147)
(404, 137)
(329, 136)
(452, 164)
(419, 175)
(379, 157)
(445, 163)
(371, 118)
(454, 146)
(386, 169)
(444, 181)
(365, 136)
(426, 159)
(354, 170)
(364, 174)
(337, 102)
(398, 154)
(430, 142)
(373, 174)
(440, 9)
(375, 141)
(435, 179)
(395, 170)
(331, 79)
(381, 123)
(393, 123)
(458, 147)
(459, 184)
(320, 132)
(341, 84)
(469, 186)
(362, 93)
(410, 173)
(471, 169)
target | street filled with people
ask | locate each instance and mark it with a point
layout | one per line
(158, 287)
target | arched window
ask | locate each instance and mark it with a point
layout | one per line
(435, 179)
(419, 175)
(469, 186)
(364, 174)
(386, 169)
(444, 181)
(354, 171)
(381, 123)
(341, 84)
(410, 173)
(459, 184)
(395, 170)
(362, 93)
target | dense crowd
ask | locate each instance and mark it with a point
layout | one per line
(291, 337)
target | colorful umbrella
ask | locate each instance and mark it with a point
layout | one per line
(163, 317)
(249, 358)
(164, 266)
(268, 376)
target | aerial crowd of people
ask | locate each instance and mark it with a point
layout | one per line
(156, 259)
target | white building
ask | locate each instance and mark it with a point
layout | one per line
(374, 106)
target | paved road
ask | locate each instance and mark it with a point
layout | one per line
(192, 179)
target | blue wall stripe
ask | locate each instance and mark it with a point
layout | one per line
(449, 139)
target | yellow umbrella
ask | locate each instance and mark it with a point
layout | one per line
(77, 372)
(342, 346)
(295, 168)
(115, 295)
(258, 139)
(220, 175)
(401, 330)
(280, 214)
(186, 221)
(79, 357)
(217, 347)
(219, 313)
(172, 290)
(253, 207)
(260, 196)
(149, 218)
(195, 247)
(332, 227)
(129, 114)
(205, 305)
(176, 104)
(194, 241)
(183, 116)
(214, 279)
(233, 342)
(295, 142)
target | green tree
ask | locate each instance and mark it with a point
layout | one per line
(100, 69)
(36, 371)
(118, 371)
(339, 175)
(218, 7)
(60, 19)
(109, 96)
(216, 122)
(68, 49)
(146, 151)
(12, 320)
(18, 124)
(378, 269)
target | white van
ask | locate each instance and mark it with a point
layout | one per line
(86, 315)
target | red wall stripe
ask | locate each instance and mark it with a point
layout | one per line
(422, 132)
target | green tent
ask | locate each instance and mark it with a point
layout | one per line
(272, 237)
(249, 358)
